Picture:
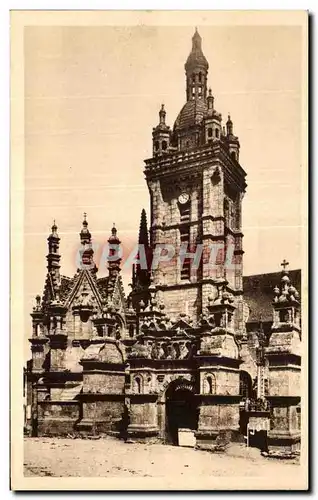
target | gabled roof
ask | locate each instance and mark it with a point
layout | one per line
(84, 275)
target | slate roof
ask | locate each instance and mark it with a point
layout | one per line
(258, 293)
(192, 113)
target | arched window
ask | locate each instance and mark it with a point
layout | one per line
(137, 385)
(245, 385)
(210, 132)
(210, 384)
(100, 331)
(217, 132)
(156, 145)
(200, 77)
(131, 330)
(233, 155)
(164, 145)
(283, 316)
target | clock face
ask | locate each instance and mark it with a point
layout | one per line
(183, 198)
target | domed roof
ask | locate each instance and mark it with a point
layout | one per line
(192, 113)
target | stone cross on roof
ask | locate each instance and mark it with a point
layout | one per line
(284, 264)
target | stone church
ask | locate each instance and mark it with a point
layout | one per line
(197, 352)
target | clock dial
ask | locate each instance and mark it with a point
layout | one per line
(183, 198)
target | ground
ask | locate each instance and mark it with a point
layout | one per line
(109, 457)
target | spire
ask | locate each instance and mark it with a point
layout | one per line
(53, 257)
(161, 134)
(85, 235)
(196, 68)
(143, 229)
(114, 258)
(86, 252)
(196, 57)
(196, 39)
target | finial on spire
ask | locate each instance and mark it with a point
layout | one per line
(162, 115)
(85, 235)
(114, 230)
(85, 223)
(229, 125)
(196, 40)
(54, 229)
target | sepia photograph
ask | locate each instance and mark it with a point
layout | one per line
(159, 191)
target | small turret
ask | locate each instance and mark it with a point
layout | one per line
(232, 140)
(229, 126)
(53, 257)
(210, 101)
(114, 258)
(286, 301)
(161, 134)
(213, 120)
(87, 252)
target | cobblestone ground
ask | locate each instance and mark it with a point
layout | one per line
(109, 457)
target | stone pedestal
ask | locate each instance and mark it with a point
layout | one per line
(218, 421)
(285, 433)
(143, 418)
(103, 396)
(284, 400)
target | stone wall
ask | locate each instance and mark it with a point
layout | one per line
(57, 418)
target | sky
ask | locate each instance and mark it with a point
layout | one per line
(92, 96)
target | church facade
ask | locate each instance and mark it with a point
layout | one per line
(187, 355)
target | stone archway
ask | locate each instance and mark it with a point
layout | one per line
(181, 409)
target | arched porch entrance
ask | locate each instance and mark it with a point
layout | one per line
(181, 409)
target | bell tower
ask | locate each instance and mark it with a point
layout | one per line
(196, 187)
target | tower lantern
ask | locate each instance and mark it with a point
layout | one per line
(196, 68)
